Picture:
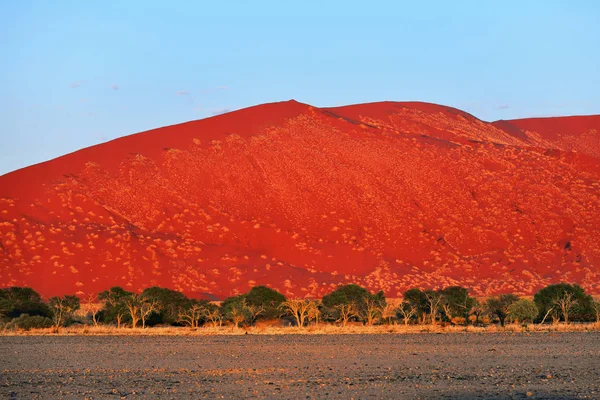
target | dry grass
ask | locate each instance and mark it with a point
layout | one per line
(322, 329)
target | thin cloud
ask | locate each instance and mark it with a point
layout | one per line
(221, 111)
(214, 89)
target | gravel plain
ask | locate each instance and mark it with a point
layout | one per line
(457, 365)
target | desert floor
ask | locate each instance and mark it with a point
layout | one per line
(455, 365)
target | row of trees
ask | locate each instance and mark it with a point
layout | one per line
(558, 302)
(24, 308)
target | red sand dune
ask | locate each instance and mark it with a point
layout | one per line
(386, 195)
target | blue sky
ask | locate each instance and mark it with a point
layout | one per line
(78, 73)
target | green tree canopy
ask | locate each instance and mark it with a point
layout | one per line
(234, 309)
(523, 310)
(458, 302)
(63, 308)
(498, 305)
(170, 302)
(416, 298)
(15, 301)
(114, 309)
(268, 299)
(547, 300)
(351, 295)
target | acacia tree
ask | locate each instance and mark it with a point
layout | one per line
(345, 312)
(63, 308)
(265, 299)
(565, 304)
(254, 311)
(300, 309)
(477, 310)
(596, 308)
(93, 307)
(499, 306)
(434, 300)
(445, 308)
(548, 312)
(363, 303)
(314, 314)
(417, 300)
(191, 315)
(213, 314)
(458, 303)
(554, 300)
(133, 304)
(235, 310)
(237, 315)
(147, 307)
(407, 310)
(373, 310)
(388, 313)
(139, 308)
(114, 304)
(168, 302)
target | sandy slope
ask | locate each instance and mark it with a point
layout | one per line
(387, 195)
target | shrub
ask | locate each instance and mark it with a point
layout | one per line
(523, 311)
(15, 301)
(27, 322)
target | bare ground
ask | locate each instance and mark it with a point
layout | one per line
(460, 365)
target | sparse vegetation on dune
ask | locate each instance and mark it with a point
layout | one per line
(385, 195)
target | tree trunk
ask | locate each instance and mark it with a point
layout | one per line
(297, 316)
(545, 316)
